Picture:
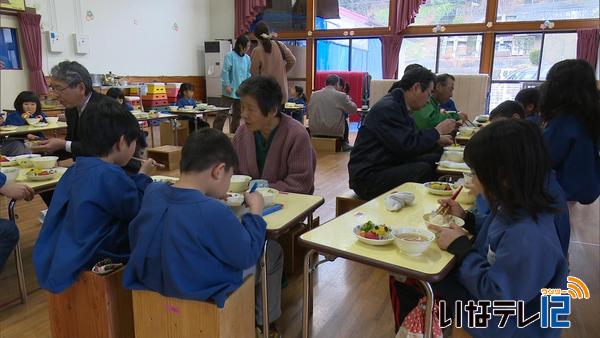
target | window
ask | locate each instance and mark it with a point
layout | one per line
(284, 15)
(418, 50)
(366, 57)
(339, 14)
(361, 55)
(557, 47)
(534, 10)
(460, 54)
(333, 54)
(524, 59)
(445, 12)
(453, 54)
(9, 49)
(517, 56)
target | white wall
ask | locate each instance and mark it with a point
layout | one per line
(132, 37)
(12, 82)
(222, 15)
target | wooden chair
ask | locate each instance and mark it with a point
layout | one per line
(159, 316)
(94, 306)
(347, 202)
(326, 144)
(169, 156)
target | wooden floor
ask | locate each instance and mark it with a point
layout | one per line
(351, 300)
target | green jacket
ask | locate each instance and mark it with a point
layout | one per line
(430, 116)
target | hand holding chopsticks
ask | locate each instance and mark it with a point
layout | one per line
(444, 208)
(147, 165)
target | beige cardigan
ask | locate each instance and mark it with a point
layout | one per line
(273, 64)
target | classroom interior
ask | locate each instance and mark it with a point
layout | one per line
(494, 48)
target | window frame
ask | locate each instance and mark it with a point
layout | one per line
(438, 44)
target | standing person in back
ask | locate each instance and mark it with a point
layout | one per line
(236, 69)
(271, 58)
(327, 111)
(570, 107)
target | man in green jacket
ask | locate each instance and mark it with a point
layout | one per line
(431, 115)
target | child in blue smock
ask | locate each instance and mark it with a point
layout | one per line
(27, 105)
(94, 201)
(529, 98)
(570, 107)
(516, 250)
(185, 97)
(219, 247)
(297, 96)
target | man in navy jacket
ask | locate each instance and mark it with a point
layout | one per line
(389, 150)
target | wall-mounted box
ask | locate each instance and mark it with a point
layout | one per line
(56, 41)
(82, 43)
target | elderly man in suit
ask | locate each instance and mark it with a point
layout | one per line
(72, 85)
(328, 109)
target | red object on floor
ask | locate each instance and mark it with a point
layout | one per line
(357, 81)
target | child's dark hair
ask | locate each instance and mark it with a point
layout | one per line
(265, 90)
(510, 159)
(571, 89)
(115, 93)
(240, 44)
(420, 75)
(507, 109)
(27, 96)
(529, 96)
(184, 86)
(205, 148)
(300, 92)
(103, 126)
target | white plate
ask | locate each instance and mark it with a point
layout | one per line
(439, 192)
(376, 242)
(456, 220)
(41, 178)
(40, 125)
(8, 128)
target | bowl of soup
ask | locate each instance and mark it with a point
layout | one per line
(411, 240)
(239, 183)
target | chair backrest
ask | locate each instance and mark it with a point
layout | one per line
(94, 306)
(159, 316)
(470, 93)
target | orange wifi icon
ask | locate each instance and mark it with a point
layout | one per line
(577, 288)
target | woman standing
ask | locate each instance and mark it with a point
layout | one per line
(271, 58)
(236, 69)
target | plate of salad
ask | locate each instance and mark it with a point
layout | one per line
(373, 234)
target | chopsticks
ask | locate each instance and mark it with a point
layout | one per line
(443, 209)
(158, 165)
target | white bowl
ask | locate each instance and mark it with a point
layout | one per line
(33, 121)
(376, 242)
(439, 192)
(234, 199)
(456, 220)
(52, 119)
(412, 247)
(24, 161)
(482, 118)
(173, 108)
(454, 156)
(44, 162)
(188, 107)
(454, 148)
(465, 196)
(239, 183)
(11, 174)
(467, 130)
(268, 195)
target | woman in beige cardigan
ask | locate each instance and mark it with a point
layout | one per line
(271, 58)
